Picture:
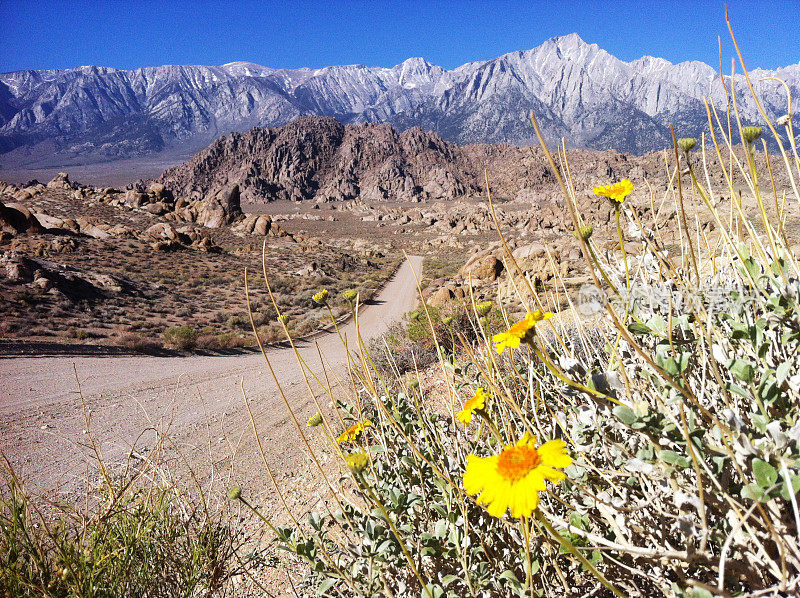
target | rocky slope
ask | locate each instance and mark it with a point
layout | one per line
(578, 90)
(111, 266)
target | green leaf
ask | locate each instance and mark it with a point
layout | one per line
(753, 491)
(326, 585)
(657, 325)
(674, 458)
(766, 475)
(639, 328)
(671, 367)
(782, 372)
(739, 330)
(743, 370)
(738, 390)
(448, 579)
(769, 391)
(752, 268)
(795, 486)
(433, 591)
(625, 415)
(509, 576)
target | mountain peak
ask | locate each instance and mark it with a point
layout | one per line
(581, 91)
(571, 39)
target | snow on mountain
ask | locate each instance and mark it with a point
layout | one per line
(578, 90)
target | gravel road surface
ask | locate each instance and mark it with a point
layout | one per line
(195, 401)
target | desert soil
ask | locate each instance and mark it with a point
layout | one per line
(196, 402)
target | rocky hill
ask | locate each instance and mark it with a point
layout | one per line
(578, 90)
(318, 158)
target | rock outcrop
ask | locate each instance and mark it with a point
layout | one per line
(319, 158)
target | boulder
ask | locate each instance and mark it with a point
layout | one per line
(16, 267)
(262, 225)
(221, 208)
(157, 209)
(158, 190)
(16, 218)
(483, 267)
(94, 229)
(162, 230)
(61, 181)
(54, 223)
(135, 198)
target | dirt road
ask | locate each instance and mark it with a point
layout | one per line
(196, 400)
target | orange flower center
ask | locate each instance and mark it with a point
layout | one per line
(519, 329)
(471, 404)
(517, 461)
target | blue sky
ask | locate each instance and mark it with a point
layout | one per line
(40, 34)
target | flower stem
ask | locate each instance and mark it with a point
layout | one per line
(624, 255)
(495, 431)
(529, 570)
(574, 551)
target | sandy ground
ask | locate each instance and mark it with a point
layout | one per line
(195, 402)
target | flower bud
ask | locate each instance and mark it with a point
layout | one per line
(321, 298)
(314, 420)
(447, 319)
(585, 232)
(687, 143)
(784, 120)
(350, 295)
(750, 134)
(413, 384)
(235, 493)
(483, 308)
(357, 461)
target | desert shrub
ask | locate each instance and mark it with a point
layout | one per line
(230, 340)
(211, 341)
(182, 338)
(28, 297)
(272, 333)
(136, 541)
(76, 333)
(394, 353)
(138, 342)
(418, 328)
(305, 327)
(413, 344)
(238, 322)
(646, 441)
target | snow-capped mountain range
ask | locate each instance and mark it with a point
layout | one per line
(578, 91)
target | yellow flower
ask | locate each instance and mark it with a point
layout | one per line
(521, 331)
(314, 420)
(513, 479)
(354, 431)
(478, 401)
(321, 298)
(357, 461)
(616, 192)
